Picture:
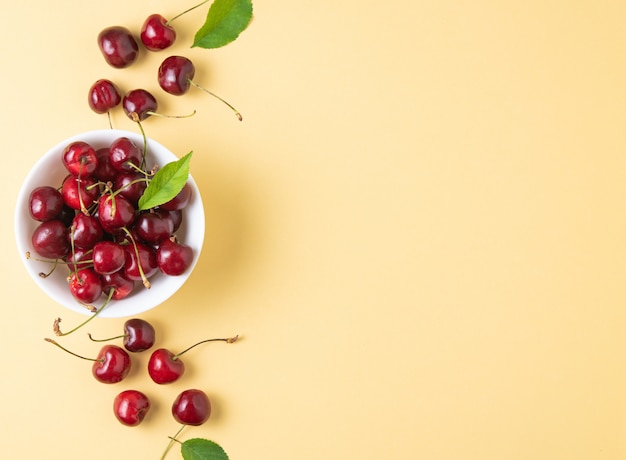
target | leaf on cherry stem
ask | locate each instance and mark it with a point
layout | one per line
(166, 183)
(225, 20)
(202, 449)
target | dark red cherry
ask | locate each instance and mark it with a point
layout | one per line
(103, 96)
(85, 285)
(139, 335)
(130, 185)
(108, 257)
(85, 231)
(118, 46)
(112, 364)
(174, 258)
(49, 239)
(115, 212)
(191, 407)
(156, 33)
(139, 104)
(175, 75)
(153, 228)
(175, 216)
(146, 262)
(79, 258)
(105, 171)
(125, 155)
(122, 286)
(130, 407)
(80, 159)
(79, 192)
(45, 203)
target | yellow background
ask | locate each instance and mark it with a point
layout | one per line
(418, 230)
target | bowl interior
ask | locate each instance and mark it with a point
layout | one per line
(49, 170)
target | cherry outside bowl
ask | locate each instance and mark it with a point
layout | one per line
(49, 170)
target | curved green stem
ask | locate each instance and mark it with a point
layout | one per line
(172, 441)
(186, 11)
(57, 330)
(228, 340)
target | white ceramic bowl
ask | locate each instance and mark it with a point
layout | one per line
(49, 170)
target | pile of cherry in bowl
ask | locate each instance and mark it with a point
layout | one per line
(92, 224)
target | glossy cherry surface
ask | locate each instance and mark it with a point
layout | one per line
(156, 34)
(139, 335)
(80, 159)
(174, 258)
(175, 74)
(45, 203)
(164, 367)
(49, 239)
(118, 46)
(112, 364)
(85, 285)
(191, 407)
(139, 104)
(103, 96)
(130, 407)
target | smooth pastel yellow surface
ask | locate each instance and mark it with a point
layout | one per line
(419, 231)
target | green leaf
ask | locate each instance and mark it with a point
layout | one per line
(225, 20)
(202, 449)
(166, 183)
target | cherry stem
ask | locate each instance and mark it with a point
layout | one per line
(156, 114)
(237, 114)
(106, 340)
(145, 281)
(172, 441)
(186, 11)
(57, 330)
(229, 340)
(110, 122)
(54, 342)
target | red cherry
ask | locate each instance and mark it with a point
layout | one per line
(174, 258)
(115, 212)
(156, 33)
(175, 75)
(118, 46)
(49, 239)
(191, 407)
(139, 335)
(80, 159)
(139, 104)
(112, 364)
(108, 257)
(85, 285)
(103, 96)
(130, 407)
(45, 203)
(167, 367)
(122, 286)
(79, 192)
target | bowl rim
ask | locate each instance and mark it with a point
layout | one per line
(138, 302)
